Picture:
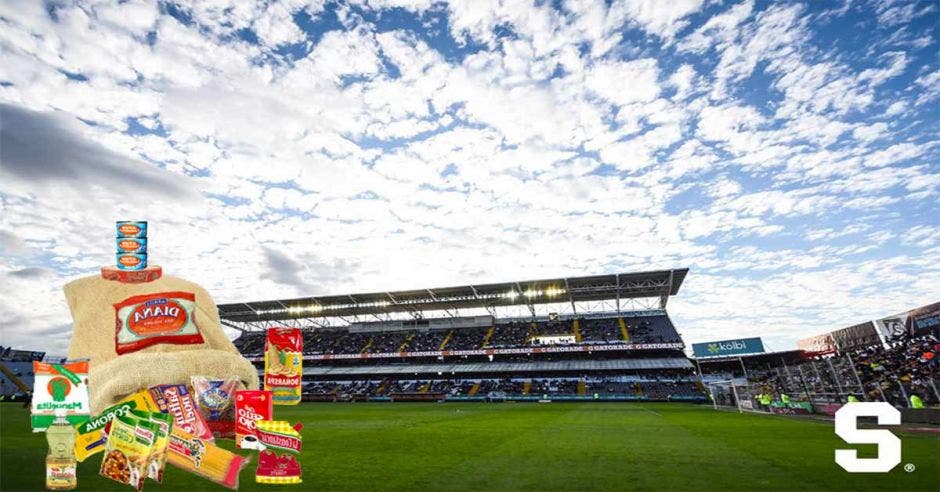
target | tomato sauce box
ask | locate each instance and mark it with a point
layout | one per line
(283, 360)
(250, 407)
(131, 245)
(131, 228)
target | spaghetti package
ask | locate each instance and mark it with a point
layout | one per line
(150, 319)
(59, 386)
(127, 453)
(250, 407)
(215, 400)
(283, 357)
(91, 436)
(195, 455)
(176, 400)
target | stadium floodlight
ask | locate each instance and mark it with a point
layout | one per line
(532, 293)
(554, 291)
(512, 294)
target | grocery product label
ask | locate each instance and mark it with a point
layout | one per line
(127, 228)
(279, 434)
(215, 400)
(127, 453)
(131, 244)
(145, 320)
(91, 436)
(131, 261)
(283, 357)
(158, 455)
(59, 386)
(250, 407)
(176, 400)
(60, 476)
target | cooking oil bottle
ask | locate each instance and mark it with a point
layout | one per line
(60, 462)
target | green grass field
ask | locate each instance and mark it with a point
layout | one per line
(557, 446)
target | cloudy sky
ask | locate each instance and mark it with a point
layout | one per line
(787, 153)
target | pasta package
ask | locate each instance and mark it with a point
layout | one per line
(127, 453)
(93, 435)
(176, 400)
(283, 358)
(195, 455)
(59, 386)
(150, 319)
(215, 400)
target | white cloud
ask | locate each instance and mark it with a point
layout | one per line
(663, 19)
(517, 140)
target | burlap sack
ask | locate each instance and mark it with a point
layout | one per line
(112, 377)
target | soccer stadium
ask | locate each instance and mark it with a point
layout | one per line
(578, 382)
(469, 245)
(582, 338)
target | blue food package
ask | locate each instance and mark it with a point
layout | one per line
(131, 244)
(131, 261)
(131, 228)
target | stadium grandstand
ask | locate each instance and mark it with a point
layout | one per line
(605, 337)
(16, 372)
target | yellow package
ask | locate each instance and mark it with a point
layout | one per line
(91, 436)
(283, 364)
(196, 455)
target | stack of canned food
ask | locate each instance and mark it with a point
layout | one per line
(131, 245)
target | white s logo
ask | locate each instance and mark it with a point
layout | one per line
(889, 446)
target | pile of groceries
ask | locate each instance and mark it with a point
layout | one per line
(178, 423)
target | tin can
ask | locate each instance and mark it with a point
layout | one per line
(131, 261)
(131, 245)
(131, 228)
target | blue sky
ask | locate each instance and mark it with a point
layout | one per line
(786, 152)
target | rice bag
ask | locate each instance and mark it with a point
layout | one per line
(250, 407)
(150, 319)
(176, 400)
(92, 435)
(127, 452)
(58, 386)
(195, 455)
(215, 401)
(283, 359)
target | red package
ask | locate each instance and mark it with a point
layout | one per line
(176, 399)
(250, 407)
(150, 319)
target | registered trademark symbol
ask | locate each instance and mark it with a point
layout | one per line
(909, 467)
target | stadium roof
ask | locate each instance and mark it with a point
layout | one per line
(490, 367)
(661, 284)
